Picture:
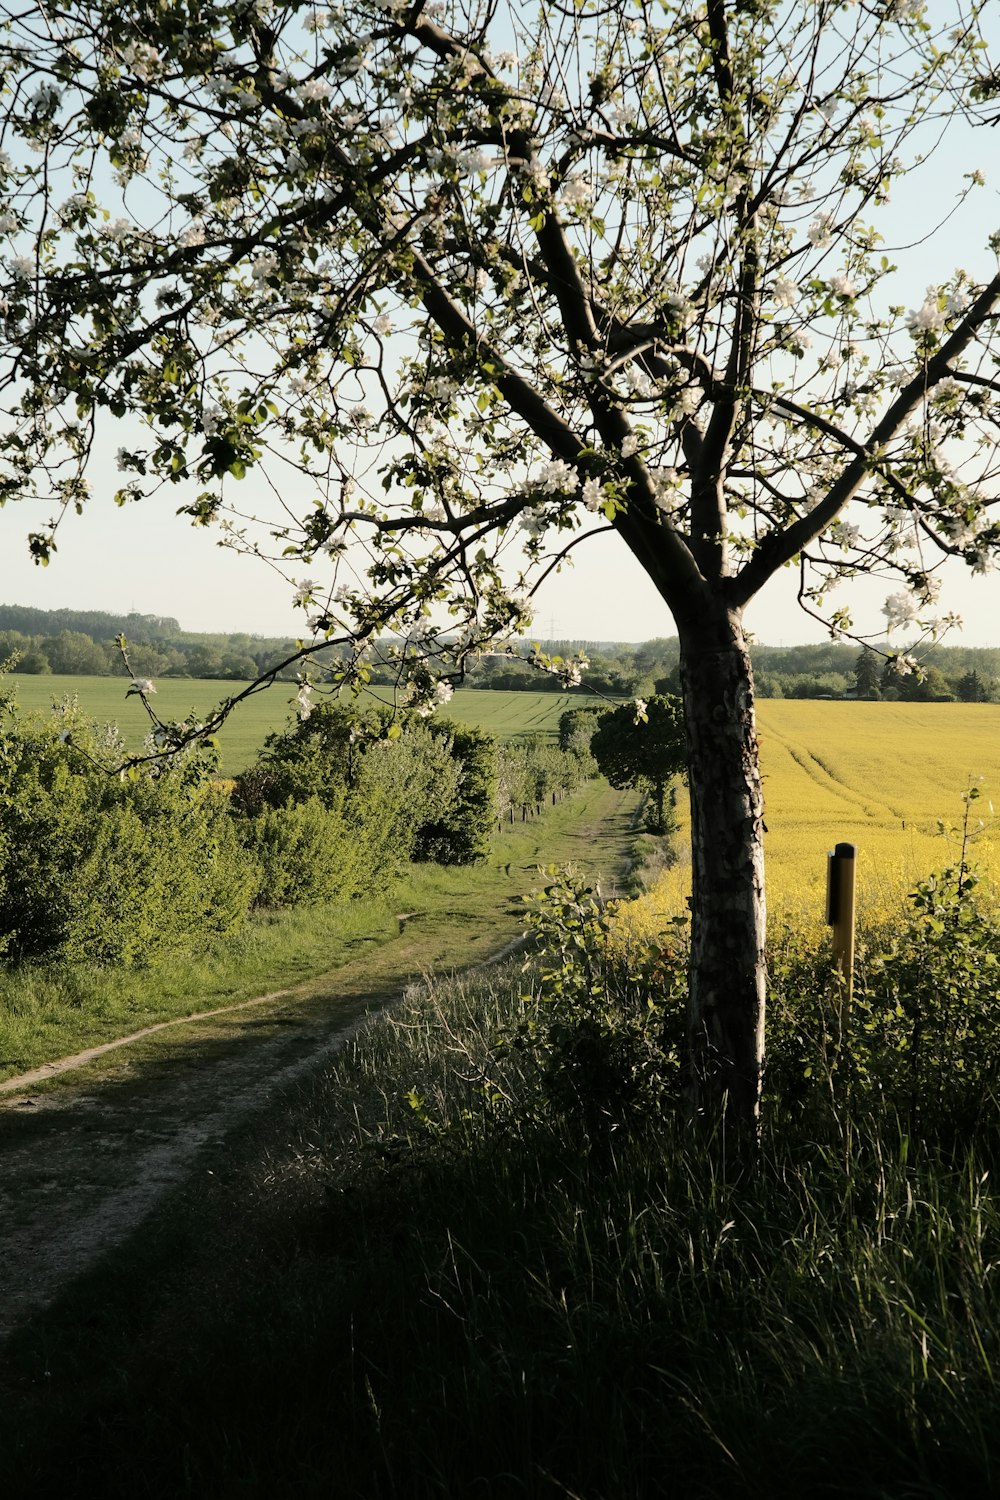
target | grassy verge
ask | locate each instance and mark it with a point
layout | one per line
(412, 1286)
(456, 916)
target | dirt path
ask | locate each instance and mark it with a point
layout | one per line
(83, 1160)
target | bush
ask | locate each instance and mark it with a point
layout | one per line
(609, 1024)
(462, 834)
(304, 853)
(361, 792)
(110, 868)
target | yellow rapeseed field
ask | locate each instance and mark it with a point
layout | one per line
(878, 775)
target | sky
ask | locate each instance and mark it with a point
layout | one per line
(147, 559)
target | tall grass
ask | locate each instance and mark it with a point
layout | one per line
(449, 1288)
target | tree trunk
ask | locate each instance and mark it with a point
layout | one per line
(728, 972)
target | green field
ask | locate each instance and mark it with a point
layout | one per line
(506, 715)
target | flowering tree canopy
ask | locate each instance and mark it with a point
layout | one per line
(469, 284)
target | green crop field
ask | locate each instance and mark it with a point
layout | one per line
(507, 715)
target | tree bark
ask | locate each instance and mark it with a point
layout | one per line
(728, 967)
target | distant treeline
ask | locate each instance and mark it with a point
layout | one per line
(81, 643)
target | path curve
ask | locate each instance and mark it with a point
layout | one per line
(85, 1159)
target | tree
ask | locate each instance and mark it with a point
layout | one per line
(644, 748)
(866, 674)
(457, 300)
(971, 688)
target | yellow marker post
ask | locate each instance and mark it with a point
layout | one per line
(840, 868)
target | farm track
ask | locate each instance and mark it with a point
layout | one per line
(87, 1157)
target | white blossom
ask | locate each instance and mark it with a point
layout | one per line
(304, 592)
(845, 535)
(630, 445)
(640, 705)
(468, 163)
(820, 230)
(928, 318)
(842, 285)
(143, 685)
(575, 193)
(443, 691)
(556, 478)
(785, 292)
(264, 266)
(313, 90)
(382, 324)
(141, 58)
(45, 99)
(900, 610)
(593, 494)
(193, 235)
(22, 267)
(303, 701)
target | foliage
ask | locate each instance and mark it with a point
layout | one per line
(633, 279)
(646, 748)
(463, 833)
(305, 852)
(648, 1319)
(104, 868)
(380, 782)
(606, 1026)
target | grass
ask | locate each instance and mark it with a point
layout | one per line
(507, 715)
(472, 1299)
(459, 915)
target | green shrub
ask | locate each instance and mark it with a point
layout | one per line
(609, 1024)
(110, 867)
(463, 833)
(303, 851)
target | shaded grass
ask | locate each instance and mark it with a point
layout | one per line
(418, 1282)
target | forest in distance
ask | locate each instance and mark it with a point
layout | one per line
(81, 643)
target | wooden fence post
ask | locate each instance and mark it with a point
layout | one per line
(840, 884)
